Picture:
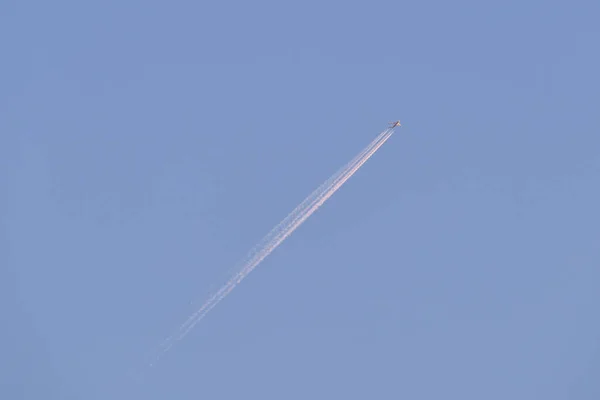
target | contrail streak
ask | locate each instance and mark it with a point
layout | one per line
(278, 234)
(290, 218)
(253, 263)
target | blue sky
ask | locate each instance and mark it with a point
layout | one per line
(146, 146)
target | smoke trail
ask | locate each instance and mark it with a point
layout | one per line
(253, 263)
(260, 247)
(278, 234)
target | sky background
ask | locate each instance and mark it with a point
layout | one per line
(146, 146)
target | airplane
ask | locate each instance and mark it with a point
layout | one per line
(395, 124)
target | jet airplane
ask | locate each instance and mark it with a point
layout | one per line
(394, 124)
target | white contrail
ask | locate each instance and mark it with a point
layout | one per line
(253, 263)
(278, 234)
(285, 222)
(258, 250)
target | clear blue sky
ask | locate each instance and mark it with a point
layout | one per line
(146, 146)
